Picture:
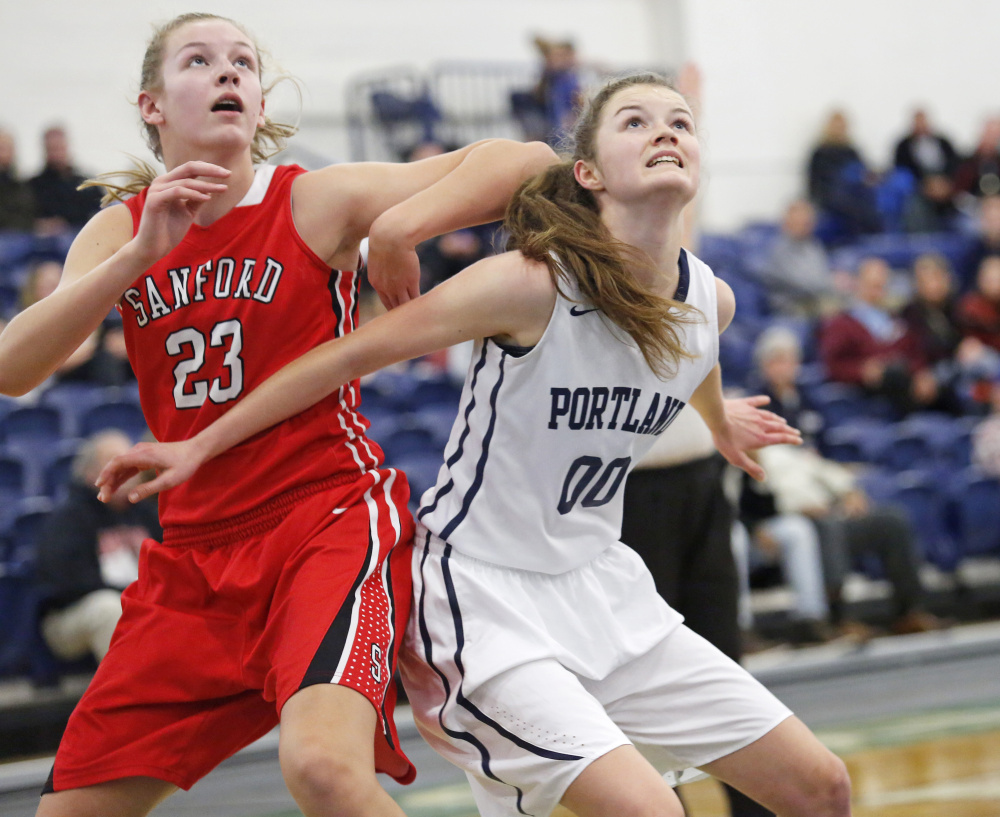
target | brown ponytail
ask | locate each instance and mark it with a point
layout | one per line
(552, 219)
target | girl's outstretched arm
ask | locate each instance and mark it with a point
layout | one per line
(503, 296)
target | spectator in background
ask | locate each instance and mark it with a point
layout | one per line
(840, 183)
(798, 274)
(979, 310)
(88, 552)
(931, 317)
(804, 483)
(979, 173)
(781, 537)
(987, 240)
(59, 206)
(17, 207)
(986, 436)
(932, 160)
(868, 345)
(110, 366)
(559, 91)
(42, 279)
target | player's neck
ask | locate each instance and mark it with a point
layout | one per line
(658, 234)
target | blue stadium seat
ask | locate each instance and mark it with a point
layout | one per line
(905, 448)
(9, 300)
(921, 494)
(22, 532)
(30, 428)
(720, 252)
(14, 480)
(975, 510)
(18, 603)
(391, 387)
(854, 440)
(950, 438)
(15, 250)
(439, 419)
(421, 469)
(57, 469)
(71, 399)
(736, 355)
(435, 391)
(113, 413)
(408, 438)
(839, 402)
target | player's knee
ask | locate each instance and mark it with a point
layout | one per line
(316, 775)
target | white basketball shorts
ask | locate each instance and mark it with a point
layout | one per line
(499, 668)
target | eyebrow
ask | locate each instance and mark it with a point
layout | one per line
(641, 109)
(199, 44)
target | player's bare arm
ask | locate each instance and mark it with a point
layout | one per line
(398, 205)
(505, 297)
(102, 261)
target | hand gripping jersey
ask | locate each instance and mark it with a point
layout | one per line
(536, 463)
(226, 308)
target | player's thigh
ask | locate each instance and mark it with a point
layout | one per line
(786, 770)
(522, 737)
(128, 797)
(685, 704)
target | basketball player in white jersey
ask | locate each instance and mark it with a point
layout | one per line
(540, 658)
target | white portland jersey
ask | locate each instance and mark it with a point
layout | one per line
(536, 463)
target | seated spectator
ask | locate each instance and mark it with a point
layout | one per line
(798, 274)
(849, 526)
(110, 365)
(840, 182)
(791, 541)
(17, 206)
(986, 436)
(42, 280)
(932, 318)
(979, 310)
(978, 174)
(88, 553)
(59, 206)
(986, 241)
(868, 345)
(932, 160)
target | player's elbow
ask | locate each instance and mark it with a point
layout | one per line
(14, 382)
(540, 156)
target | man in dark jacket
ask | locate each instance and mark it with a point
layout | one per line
(87, 553)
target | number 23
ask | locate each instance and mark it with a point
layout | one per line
(190, 392)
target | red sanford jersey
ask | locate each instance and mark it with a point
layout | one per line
(230, 305)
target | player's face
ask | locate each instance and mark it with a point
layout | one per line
(646, 143)
(211, 93)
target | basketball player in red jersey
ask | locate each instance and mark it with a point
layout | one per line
(281, 589)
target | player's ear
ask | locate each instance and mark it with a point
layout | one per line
(149, 109)
(587, 175)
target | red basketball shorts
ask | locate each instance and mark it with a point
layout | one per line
(226, 622)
